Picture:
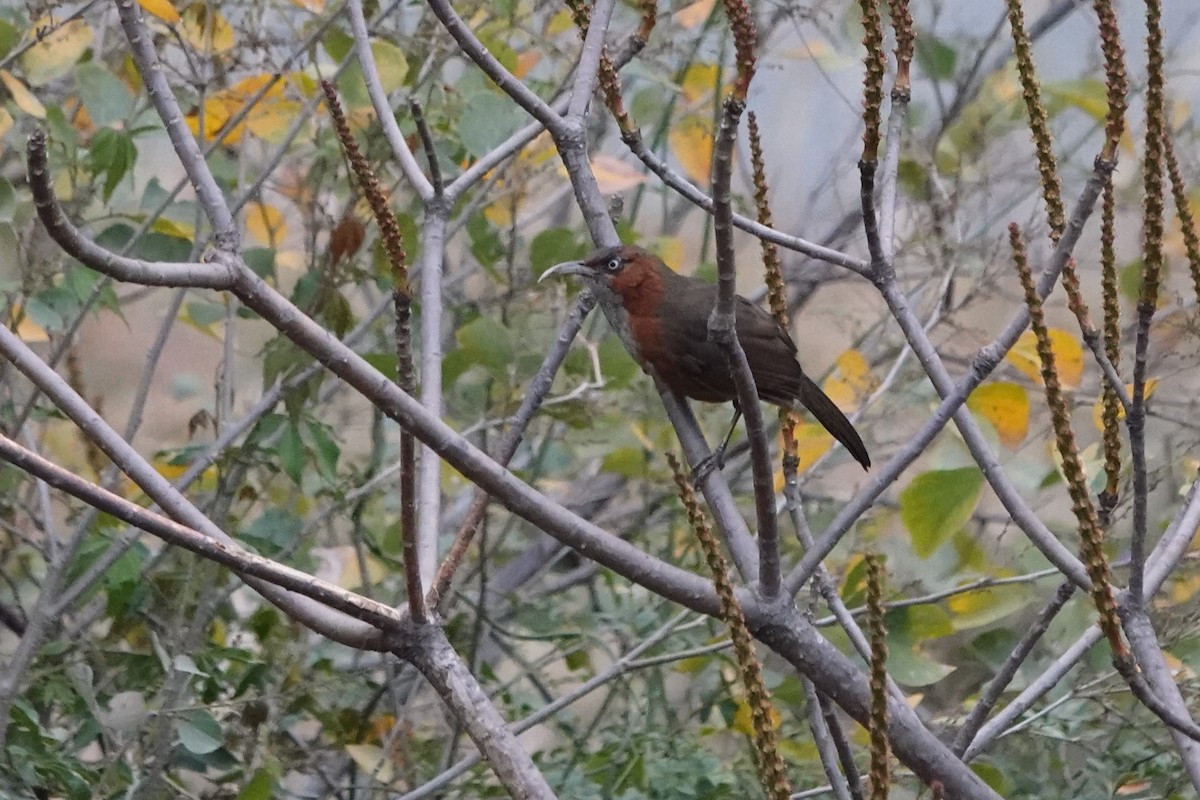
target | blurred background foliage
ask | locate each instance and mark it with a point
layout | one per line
(161, 659)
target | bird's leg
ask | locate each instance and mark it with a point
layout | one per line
(716, 459)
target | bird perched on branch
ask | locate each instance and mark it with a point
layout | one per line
(662, 317)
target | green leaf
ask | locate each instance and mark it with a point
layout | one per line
(108, 101)
(487, 343)
(577, 659)
(935, 58)
(617, 366)
(61, 129)
(553, 246)
(280, 359)
(51, 307)
(155, 246)
(986, 606)
(9, 36)
(260, 787)
(337, 314)
(914, 178)
(485, 242)
(291, 452)
(385, 362)
(261, 260)
(390, 63)
(627, 461)
(10, 267)
(1089, 95)
(854, 585)
(325, 448)
(200, 733)
(128, 568)
(184, 663)
(273, 531)
(936, 504)
(918, 623)
(8, 200)
(912, 668)
(113, 155)
(337, 43)
(487, 121)
(993, 776)
(204, 313)
(706, 271)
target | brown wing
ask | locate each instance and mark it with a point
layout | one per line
(771, 353)
(700, 370)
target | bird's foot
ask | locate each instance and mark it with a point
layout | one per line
(714, 460)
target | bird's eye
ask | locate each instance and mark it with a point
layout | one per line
(613, 264)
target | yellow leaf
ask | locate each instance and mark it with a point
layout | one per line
(670, 250)
(798, 751)
(351, 575)
(743, 719)
(82, 122)
(699, 81)
(270, 118)
(62, 442)
(818, 50)
(984, 606)
(694, 14)
(315, 6)
(1183, 589)
(391, 64)
(1003, 86)
(205, 29)
(1178, 668)
(6, 125)
(273, 116)
(177, 230)
(644, 440)
(1089, 95)
(27, 329)
(691, 141)
(1068, 357)
(559, 21)
(22, 97)
(539, 151)
(57, 52)
(850, 382)
(265, 224)
(812, 441)
(526, 61)
(1098, 406)
(163, 9)
(218, 108)
(500, 213)
(372, 761)
(615, 175)
(208, 477)
(290, 260)
(1006, 406)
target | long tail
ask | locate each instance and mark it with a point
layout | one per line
(832, 418)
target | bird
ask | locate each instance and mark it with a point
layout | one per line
(662, 318)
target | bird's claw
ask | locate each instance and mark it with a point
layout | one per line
(714, 460)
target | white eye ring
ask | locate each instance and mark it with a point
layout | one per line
(613, 264)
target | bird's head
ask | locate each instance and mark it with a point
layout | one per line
(625, 274)
(601, 266)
